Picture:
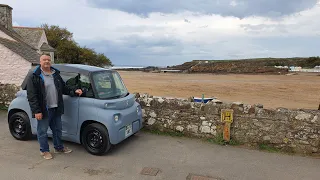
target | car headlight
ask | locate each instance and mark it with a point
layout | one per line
(116, 118)
(138, 109)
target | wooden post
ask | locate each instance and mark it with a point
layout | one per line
(227, 119)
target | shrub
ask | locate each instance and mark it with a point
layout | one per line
(7, 94)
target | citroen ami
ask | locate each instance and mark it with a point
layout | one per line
(106, 115)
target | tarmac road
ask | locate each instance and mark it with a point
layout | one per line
(175, 157)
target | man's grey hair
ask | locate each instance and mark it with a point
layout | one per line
(45, 53)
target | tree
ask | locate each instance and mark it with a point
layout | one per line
(87, 55)
(68, 51)
(102, 60)
(57, 35)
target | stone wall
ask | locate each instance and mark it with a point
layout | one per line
(296, 131)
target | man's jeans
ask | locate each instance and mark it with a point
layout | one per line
(54, 121)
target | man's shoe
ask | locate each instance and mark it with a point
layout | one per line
(64, 150)
(46, 155)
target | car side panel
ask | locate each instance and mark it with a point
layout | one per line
(70, 117)
(21, 103)
(87, 112)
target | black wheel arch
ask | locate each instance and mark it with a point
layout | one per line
(13, 111)
(86, 123)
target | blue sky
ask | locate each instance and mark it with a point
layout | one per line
(166, 32)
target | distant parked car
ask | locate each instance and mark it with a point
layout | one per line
(107, 114)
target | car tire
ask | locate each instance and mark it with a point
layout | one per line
(19, 126)
(95, 139)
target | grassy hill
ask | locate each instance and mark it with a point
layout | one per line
(260, 65)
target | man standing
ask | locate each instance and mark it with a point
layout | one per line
(45, 89)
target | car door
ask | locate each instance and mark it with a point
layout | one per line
(71, 105)
(71, 115)
(86, 109)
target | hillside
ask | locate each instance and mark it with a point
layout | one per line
(262, 65)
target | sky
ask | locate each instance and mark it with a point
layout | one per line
(167, 32)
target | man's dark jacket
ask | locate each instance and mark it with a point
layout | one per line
(36, 92)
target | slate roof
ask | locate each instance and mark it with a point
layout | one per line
(24, 51)
(19, 46)
(47, 47)
(30, 35)
(12, 34)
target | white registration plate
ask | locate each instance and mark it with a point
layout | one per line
(128, 130)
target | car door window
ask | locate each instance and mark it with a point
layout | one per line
(78, 81)
(85, 84)
(71, 79)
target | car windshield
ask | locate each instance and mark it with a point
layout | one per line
(109, 85)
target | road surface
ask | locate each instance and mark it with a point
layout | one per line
(176, 158)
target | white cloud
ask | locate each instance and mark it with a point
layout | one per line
(233, 3)
(207, 35)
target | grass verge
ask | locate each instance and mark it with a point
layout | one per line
(3, 108)
(217, 140)
(158, 132)
(266, 147)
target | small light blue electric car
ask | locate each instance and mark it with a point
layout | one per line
(107, 115)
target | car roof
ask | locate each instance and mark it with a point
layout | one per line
(75, 68)
(78, 68)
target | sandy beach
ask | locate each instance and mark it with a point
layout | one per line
(288, 91)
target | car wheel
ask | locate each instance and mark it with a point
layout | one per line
(19, 126)
(95, 139)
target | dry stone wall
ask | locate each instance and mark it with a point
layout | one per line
(296, 131)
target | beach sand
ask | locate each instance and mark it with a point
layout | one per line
(273, 91)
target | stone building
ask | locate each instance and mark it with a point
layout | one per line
(20, 48)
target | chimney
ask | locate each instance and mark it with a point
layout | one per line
(6, 16)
